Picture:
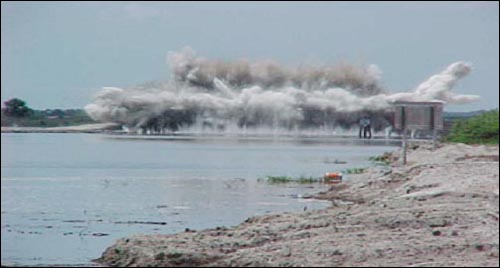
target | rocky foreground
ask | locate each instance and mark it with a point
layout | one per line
(441, 209)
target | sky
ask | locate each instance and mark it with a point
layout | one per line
(59, 54)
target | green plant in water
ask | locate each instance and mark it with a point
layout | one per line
(355, 170)
(279, 179)
(309, 180)
(384, 159)
(286, 179)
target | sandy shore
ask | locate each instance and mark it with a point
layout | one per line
(442, 209)
(87, 128)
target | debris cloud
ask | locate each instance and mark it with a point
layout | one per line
(217, 94)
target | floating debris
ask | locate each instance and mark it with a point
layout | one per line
(141, 222)
(74, 221)
(336, 161)
(99, 234)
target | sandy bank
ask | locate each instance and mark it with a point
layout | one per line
(87, 128)
(442, 209)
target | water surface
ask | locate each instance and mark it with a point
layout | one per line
(66, 197)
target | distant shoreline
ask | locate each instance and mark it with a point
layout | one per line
(113, 129)
(86, 128)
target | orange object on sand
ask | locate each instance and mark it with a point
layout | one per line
(333, 177)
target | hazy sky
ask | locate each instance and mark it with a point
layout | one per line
(57, 55)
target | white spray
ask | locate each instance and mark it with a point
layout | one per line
(247, 94)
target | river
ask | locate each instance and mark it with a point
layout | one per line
(66, 197)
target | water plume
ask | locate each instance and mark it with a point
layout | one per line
(216, 94)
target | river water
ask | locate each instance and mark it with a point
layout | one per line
(66, 197)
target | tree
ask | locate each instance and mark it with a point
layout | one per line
(17, 108)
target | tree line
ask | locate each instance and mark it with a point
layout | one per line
(17, 113)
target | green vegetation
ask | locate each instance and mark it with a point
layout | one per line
(17, 113)
(480, 129)
(355, 170)
(16, 108)
(286, 179)
(384, 159)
